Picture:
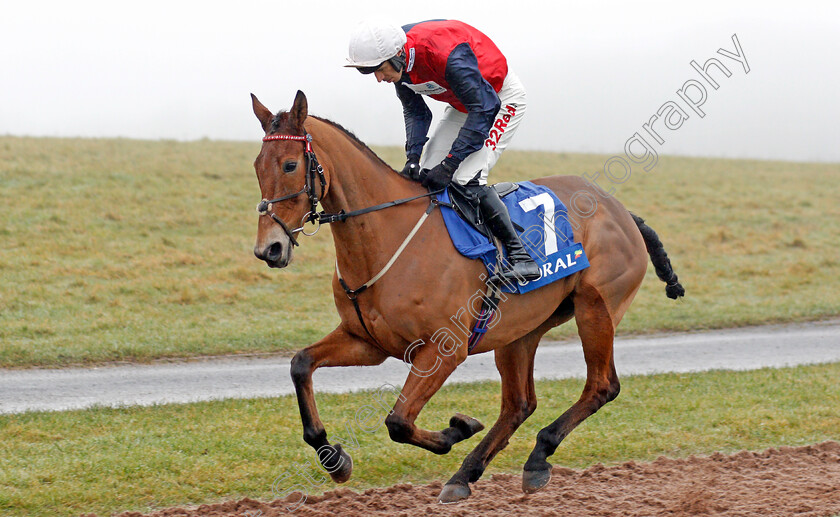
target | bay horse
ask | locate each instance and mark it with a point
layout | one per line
(305, 160)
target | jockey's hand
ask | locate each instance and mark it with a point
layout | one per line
(412, 168)
(439, 176)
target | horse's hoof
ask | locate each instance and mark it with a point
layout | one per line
(454, 492)
(466, 424)
(341, 471)
(534, 480)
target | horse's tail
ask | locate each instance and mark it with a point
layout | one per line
(661, 263)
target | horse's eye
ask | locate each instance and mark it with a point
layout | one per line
(289, 167)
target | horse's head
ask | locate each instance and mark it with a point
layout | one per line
(282, 172)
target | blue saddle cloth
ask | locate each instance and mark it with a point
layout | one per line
(547, 235)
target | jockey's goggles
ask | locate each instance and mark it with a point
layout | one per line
(369, 69)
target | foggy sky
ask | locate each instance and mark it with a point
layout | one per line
(595, 72)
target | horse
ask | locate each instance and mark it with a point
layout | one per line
(412, 288)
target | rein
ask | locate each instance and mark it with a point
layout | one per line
(313, 169)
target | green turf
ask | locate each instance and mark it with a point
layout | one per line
(107, 460)
(132, 250)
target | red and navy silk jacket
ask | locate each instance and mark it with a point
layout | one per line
(457, 64)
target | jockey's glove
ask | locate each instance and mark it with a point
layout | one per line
(412, 167)
(439, 176)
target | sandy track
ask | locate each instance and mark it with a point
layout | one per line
(802, 481)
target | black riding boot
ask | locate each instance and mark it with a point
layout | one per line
(495, 214)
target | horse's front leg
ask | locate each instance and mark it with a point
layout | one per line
(429, 370)
(338, 348)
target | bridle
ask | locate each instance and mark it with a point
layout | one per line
(313, 168)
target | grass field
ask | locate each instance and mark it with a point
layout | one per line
(107, 460)
(119, 250)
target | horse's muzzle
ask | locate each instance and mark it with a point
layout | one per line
(277, 254)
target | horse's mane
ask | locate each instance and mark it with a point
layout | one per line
(281, 117)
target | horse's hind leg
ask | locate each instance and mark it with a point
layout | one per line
(515, 363)
(596, 329)
(429, 370)
(338, 348)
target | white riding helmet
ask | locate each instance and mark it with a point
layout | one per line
(374, 42)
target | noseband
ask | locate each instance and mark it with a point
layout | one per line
(313, 168)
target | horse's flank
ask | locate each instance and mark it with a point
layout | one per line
(431, 281)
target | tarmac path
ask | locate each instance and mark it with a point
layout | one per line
(250, 377)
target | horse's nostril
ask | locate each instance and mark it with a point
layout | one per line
(274, 251)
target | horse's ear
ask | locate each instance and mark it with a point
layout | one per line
(263, 114)
(299, 111)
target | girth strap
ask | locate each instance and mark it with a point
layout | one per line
(489, 303)
(489, 306)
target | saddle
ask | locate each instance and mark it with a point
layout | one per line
(466, 205)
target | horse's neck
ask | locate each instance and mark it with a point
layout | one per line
(360, 180)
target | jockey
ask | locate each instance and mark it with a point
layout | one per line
(451, 62)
